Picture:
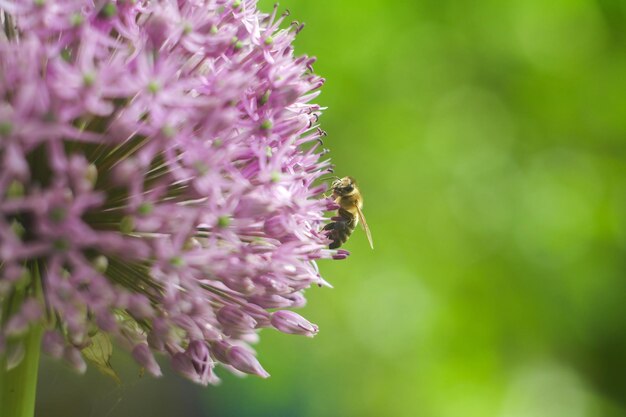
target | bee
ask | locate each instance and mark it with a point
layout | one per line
(346, 193)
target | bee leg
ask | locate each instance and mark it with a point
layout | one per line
(334, 245)
(331, 233)
(337, 233)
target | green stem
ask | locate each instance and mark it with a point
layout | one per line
(19, 385)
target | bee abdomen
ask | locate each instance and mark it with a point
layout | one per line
(340, 230)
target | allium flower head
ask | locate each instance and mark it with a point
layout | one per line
(158, 161)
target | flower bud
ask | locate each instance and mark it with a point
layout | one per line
(14, 354)
(75, 359)
(244, 361)
(289, 322)
(18, 324)
(143, 355)
(53, 343)
(232, 317)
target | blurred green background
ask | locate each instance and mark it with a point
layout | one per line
(489, 139)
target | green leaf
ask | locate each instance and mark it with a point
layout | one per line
(99, 353)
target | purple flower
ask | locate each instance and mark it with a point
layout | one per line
(158, 167)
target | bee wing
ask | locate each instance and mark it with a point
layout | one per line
(365, 227)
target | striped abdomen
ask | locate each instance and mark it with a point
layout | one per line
(340, 229)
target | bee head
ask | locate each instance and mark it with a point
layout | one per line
(344, 186)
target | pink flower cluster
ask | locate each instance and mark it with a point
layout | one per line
(157, 169)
